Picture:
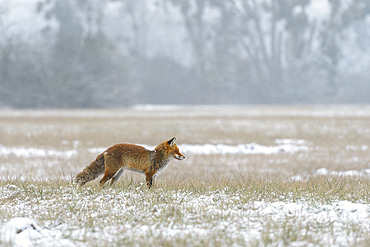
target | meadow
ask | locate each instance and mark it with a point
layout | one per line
(253, 176)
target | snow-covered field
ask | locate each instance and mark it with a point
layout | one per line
(253, 176)
(70, 217)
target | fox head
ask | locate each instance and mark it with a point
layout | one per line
(168, 150)
(173, 150)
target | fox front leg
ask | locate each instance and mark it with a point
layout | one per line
(149, 177)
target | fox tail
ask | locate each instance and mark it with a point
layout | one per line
(92, 171)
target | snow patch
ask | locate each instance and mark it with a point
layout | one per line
(297, 178)
(337, 211)
(325, 172)
(26, 232)
(283, 145)
(252, 148)
(35, 152)
(355, 148)
(351, 173)
(322, 171)
(20, 232)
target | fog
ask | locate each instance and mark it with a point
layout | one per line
(117, 53)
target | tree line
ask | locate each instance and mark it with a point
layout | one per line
(114, 53)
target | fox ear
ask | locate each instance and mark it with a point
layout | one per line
(172, 141)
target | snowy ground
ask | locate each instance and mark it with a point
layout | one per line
(253, 176)
(67, 216)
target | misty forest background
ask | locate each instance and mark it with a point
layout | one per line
(114, 53)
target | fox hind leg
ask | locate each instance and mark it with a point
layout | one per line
(111, 168)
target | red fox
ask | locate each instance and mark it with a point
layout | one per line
(132, 157)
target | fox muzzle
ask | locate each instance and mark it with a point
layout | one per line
(179, 157)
